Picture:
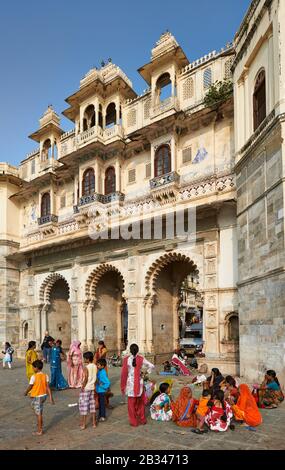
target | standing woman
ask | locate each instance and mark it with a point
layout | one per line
(56, 356)
(132, 384)
(31, 356)
(101, 352)
(75, 365)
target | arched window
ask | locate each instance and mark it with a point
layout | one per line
(45, 205)
(163, 86)
(89, 117)
(88, 182)
(46, 151)
(207, 78)
(110, 180)
(25, 330)
(162, 160)
(259, 100)
(111, 115)
(232, 327)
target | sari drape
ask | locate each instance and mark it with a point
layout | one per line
(183, 409)
(246, 408)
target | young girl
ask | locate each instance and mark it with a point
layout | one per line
(201, 412)
(219, 416)
(160, 404)
(132, 385)
(8, 358)
(31, 356)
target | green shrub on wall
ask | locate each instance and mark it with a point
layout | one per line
(218, 93)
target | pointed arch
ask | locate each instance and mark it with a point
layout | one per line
(95, 276)
(47, 285)
(159, 264)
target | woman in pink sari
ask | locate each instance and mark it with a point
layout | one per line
(75, 365)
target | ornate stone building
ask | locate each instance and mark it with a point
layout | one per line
(86, 241)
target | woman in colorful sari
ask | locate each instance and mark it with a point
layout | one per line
(183, 409)
(230, 389)
(75, 365)
(132, 384)
(246, 408)
(101, 352)
(219, 416)
(31, 356)
(57, 380)
(270, 394)
(160, 404)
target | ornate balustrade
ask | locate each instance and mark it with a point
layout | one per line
(46, 219)
(96, 197)
(163, 180)
(165, 105)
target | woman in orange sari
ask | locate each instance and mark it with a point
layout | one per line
(183, 409)
(246, 408)
(101, 353)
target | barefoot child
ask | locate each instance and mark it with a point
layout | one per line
(201, 411)
(102, 385)
(39, 389)
(87, 393)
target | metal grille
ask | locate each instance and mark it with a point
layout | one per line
(187, 155)
(188, 88)
(132, 176)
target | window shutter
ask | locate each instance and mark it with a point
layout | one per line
(148, 170)
(132, 175)
(207, 78)
(187, 155)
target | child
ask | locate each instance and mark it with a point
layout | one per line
(87, 393)
(39, 389)
(31, 357)
(8, 358)
(102, 385)
(201, 411)
(219, 415)
(160, 404)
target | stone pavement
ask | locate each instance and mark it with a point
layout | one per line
(61, 424)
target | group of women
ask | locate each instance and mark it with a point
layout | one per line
(55, 357)
(221, 403)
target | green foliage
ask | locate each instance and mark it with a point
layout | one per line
(218, 93)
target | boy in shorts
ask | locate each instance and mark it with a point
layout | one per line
(38, 390)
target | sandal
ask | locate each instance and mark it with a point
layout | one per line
(196, 431)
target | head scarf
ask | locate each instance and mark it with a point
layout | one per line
(247, 404)
(179, 406)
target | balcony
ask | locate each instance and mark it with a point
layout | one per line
(164, 106)
(117, 196)
(46, 219)
(71, 142)
(164, 180)
(164, 188)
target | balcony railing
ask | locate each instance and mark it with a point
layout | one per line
(46, 219)
(165, 105)
(96, 197)
(164, 180)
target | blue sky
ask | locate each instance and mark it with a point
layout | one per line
(47, 47)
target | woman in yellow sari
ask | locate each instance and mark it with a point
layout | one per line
(31, 356)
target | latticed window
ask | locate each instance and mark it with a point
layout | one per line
(259, 100)
(146, 109)
(228, 66)
(162, 161)
(132, 175)
(110, 180)
(207, 78)
(148, 170)
(88, 182)
(188, 88)
(187, 155)
(45, 204)
(131, 118)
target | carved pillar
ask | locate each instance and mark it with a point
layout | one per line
(89, 325)
(82, 324)
(175, 321)
(270, 81)
(152, 155)
(44, 322)
(119, 327)
(37, 320)
(97, 179)
(118, 175)
(173, 154)
(148, 321)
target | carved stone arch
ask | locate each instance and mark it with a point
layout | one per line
(160, 263)
(94, 278)
(47, 285)
(230, 319)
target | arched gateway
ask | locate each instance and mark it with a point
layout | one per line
(106, 307)
(163, 286)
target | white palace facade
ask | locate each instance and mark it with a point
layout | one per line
(129, 159)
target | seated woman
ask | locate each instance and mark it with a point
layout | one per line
(219, 415)
(270, 394)
(160, 404)
(183, 409)
(230, 389)
(213, 382)
(179, 362)
(246, 408)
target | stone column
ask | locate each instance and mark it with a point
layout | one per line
(37, 320)
(117, 112)
(118, 175)
(103, 182)
(173, 154)
(82, 324)
(119, 328)
(44, 319)
(175, 323)
(152, 155)
(270, 85)
(97, 179)
(89, 325)
(248, 115)
(148, 321)
(142, 325)
(75, 190)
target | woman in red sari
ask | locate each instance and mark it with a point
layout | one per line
(246, 408)
(183, 409)
(101, 352)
